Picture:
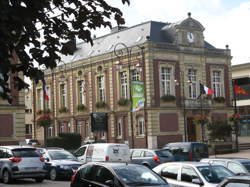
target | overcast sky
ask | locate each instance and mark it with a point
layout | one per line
(225, 21)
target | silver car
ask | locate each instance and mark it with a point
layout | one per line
(21, 162)
(192, 174)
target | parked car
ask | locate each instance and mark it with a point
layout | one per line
(188, 151)
(236, 181)
(150, 157)
(240, 166)
(32, 142)
(18, 162)
(103, 152)
(115, 174)
(59, 163)
(193, 174)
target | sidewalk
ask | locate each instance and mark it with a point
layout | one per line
(241, 154)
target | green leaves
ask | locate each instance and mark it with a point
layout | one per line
(32, 24)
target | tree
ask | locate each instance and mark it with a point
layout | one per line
(41, 30)
(219, 130)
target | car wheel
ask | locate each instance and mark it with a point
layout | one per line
(39, 180)
(53, 174)
(6, 177)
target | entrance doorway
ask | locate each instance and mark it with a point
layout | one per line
(191, 129)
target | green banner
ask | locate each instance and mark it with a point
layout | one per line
(137, 95)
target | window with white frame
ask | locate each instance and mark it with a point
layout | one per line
(87, 129)
(119, 128)
(140, 128)
(79, 127)
(28, 129)
(81, 92)
(61, 127)
(135, 75)
(166, 80)
(63, 95)
(192, 87)
(50, 131)
(217, 83)
(124, 84)
(101, 88)
(69, 127)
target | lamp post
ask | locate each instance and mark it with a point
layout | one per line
(119, 54)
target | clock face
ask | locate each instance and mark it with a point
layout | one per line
(190, 37)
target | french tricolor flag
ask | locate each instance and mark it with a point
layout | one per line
(45, 90)
(205, 90)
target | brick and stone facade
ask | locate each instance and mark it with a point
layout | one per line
(154, 47)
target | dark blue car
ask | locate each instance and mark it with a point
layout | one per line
(59, 163)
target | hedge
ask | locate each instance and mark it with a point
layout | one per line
(67, 141)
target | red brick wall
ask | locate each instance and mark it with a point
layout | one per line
(6, 125)
(168, 122)
(219, 116)
(162, 140)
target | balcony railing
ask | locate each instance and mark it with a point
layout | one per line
(196, 103)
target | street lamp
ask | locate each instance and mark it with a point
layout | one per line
(118, 51)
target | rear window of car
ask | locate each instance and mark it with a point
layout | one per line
(25, 153)
(200, 148)
(163, 153)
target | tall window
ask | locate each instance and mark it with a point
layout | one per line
(124, 84)
(192, 87)
(135, 75)
(140, 129)
(79, 127)
(50, 131)
(165, 77)
(61, 127)
(119, 128)
(101, 88)
(28, 129)
(217, 83)
(63, 95)
(81, 92)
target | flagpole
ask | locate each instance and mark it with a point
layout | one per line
(236, 128)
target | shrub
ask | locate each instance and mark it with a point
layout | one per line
(219, 99)
(168, 98)
(81, 107)
(44, 120)
(100, 104)
(123, 102)
(219, 130)
(63, 109)
(69, 141)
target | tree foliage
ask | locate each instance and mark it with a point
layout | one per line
(40, 30)
(219, 130)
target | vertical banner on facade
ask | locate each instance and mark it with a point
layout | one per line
(137, 95)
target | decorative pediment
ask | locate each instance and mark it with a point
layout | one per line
(191, 23)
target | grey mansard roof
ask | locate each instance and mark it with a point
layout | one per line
(131, 36)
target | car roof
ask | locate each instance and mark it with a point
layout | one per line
(189, 163)
(114, 164)
(17, 147)
(148, 149)
(228, 159)
(183, 143)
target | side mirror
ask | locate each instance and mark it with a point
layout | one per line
(197, 181)
(109, 183)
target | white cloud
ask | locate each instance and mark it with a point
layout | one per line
(223, 26)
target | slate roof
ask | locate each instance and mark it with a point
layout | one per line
(131, 36)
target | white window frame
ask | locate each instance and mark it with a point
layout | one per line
(140, 126)
(119, 130)
(50, 131)
(79, 127)
(193, 84)
(29, 129)
(166, 80)
(124, 84)
(135, 75)
(217, 86)
(63, 96)
(101, 88)
(61, 128)
(81, 86)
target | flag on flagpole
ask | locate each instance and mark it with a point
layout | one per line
(205, 90)
(238, 90)
(45, 90)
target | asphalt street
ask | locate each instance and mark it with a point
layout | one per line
(32, 183)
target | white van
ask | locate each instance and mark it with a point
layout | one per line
(97, 152)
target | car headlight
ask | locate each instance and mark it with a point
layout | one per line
(65, 167)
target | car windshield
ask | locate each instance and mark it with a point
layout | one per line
(138, 176)
(25, 153)
(163, 153)
(214, 174)
(61, 155)
(247, 166)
